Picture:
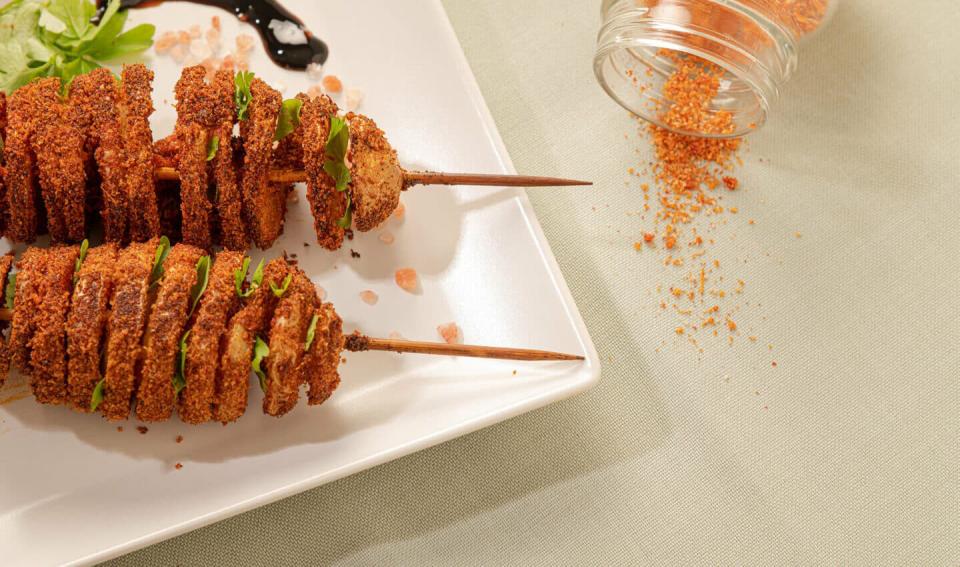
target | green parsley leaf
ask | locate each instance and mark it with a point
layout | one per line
(279, 291)
(212, 146)
(311, 332)
(346, 220)
(241, 93)
(240, 276)
(134, 40)
(158, 259)
(203, 278)
(180, 376)
(97, 397)
(80, 258)
(260, 351)
(289, 118)
(10, 291)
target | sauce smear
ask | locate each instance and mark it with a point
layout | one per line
(288, 43)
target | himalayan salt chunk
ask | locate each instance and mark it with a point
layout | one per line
(354, 98)
(245, 43)
(400, 211)
(195, 31)
(215, 22)
(315, 91)
(213, 39)
(407, 279)
(183, 38)
(200, 50)
(450, 333)
(165, 43)
(321, 293)
(386, 237)
(178, 53)
(369, 297)
(332, 84)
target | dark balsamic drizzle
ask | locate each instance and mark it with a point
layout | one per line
(259, 14)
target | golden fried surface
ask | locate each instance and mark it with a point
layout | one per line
(288, 331)
(195, 114)
(319, 366)
(87, 323)
(29, 293)
(264, 204)
(48, 355)
(327, 204)
(229, 199)
(58, 145)
(6, 263)
(141, 191)
(130, 307)
(165, 327)
(376, 177)
(218, 304)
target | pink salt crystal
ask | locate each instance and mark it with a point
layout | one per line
(195, 31)
(165, 43)
(321, 293)
(315, 91)
(450, 333)
(200, 50)
(227, 63)
(183, 38)
(244, 43)
(369, 297)
(400, 211)
(332, 84)
(215, 22)
(178, 53)
(406, 278)
(314, 71)
(354, 98)
(213, 39)
(395, 335)
(386, 237)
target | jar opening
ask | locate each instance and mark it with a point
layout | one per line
(641, 49)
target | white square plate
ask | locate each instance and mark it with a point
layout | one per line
(75, 490)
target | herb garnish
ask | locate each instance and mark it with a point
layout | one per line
(335, 164)
(240, 276)
(241, 93)
(163, 249)
(97, 397)
(260, 351)
(279, 291)
(203, 278)
(80, 258)
(311, 333)
(180, 376)
(10, 291)
(212, 146)
(56, 38)
(289, 118)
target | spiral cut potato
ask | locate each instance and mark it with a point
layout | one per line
(151, 330)
(70, 158)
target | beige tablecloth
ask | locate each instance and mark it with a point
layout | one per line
(845, 453)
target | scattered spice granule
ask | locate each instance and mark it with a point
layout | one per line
(797, 234)
(514, 372)
(774, 363)
(120, 429)
(731, 182)
(369, 297)
(731, 324)
(178, 466)
(670, 242)
(679, 330)
(386, 237)
(648, 236)
(354, 253)
(407, 279)
(450, 333)
(637, 246)
(179, 439)
(332, 84)
(142, 429)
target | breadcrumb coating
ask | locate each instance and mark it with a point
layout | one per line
(48, 345)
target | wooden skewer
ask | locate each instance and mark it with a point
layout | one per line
(411, 178)
(360, 343)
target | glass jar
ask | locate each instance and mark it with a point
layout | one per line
(753, 43)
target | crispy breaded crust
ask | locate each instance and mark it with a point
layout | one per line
(252, 320)
(376, 176)
(4, 213)
(58, 146)
(129, 309)
(87, 323)
(48, 346)
(141, 192)
(6, 263)
(24, 111)
(233, 232)
(288, 331)
(319, 366)
(30, 289)
(197, 114)
(218, 304)
(165, 327)
(263, 203)
(326, 203)
(95, 96)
